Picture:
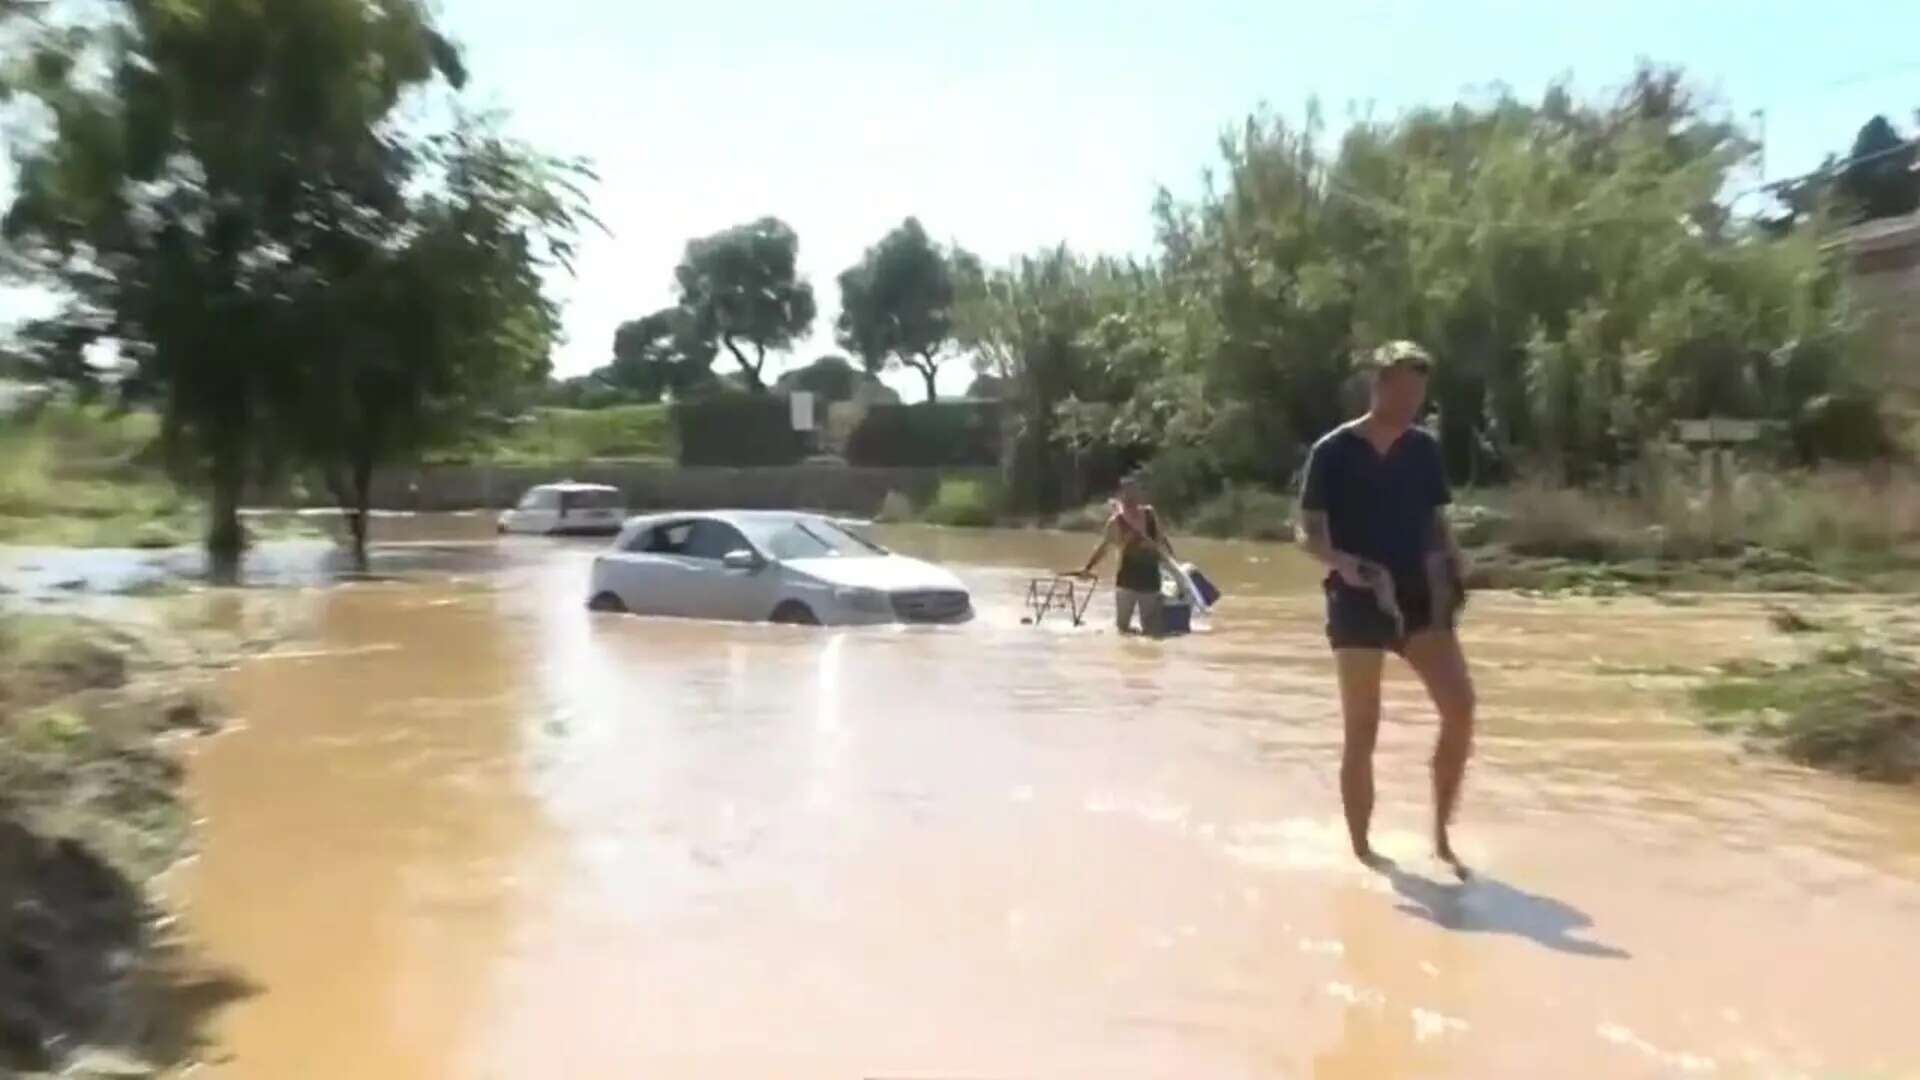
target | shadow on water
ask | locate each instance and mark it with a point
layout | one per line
(1488, 906)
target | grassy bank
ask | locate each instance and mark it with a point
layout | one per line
(1849, 706)
(90, 812)
(79, 476)
(1835, 531)
(556, 436)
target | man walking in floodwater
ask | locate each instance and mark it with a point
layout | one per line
(1373, 509)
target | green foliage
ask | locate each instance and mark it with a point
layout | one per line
(1851, 707)
(830, 378)
(290, 275)
(896, 508)
(558, 435)
(1244, 513)
(965, 503)
(212, 190)
(954, 433)
(737, 430)
(85, 476)
(658, 355)
(896, 304)
(1567, 262)
(1879, 179)
(741, 288)
(407, 348)
(1769, 520)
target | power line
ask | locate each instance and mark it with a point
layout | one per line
(1859, 77)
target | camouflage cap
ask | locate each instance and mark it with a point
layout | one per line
(1393, 354)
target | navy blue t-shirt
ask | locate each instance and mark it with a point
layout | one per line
(1378, 506)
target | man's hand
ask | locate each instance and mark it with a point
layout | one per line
(1352, 569)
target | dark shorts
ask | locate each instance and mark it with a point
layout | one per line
(1355, 619)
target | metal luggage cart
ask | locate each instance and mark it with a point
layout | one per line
(1070, 596)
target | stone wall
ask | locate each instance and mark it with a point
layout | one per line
(1883, 279)
(832, 488)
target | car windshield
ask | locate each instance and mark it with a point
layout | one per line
(810, 538)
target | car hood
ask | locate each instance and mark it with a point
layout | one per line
(891, 573)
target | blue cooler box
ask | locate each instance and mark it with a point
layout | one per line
(1176, 617)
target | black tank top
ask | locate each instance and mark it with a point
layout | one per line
(1139, 556)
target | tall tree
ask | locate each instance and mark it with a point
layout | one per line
(657, 355)
(741, 288)
(1878, 179)
(168, 199)
(897, 303)
(413, 341)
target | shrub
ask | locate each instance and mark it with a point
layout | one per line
(1090, 518)
(738, 430)
(895, 508)
(556, 434)
(927, 435)
(964, 502)
(1180, 478)
(1853, 708)
(1245, 512)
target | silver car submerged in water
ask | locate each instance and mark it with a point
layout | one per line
(760, 566)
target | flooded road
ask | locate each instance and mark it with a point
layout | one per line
(468, 829)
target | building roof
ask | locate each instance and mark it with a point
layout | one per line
(1881, 234)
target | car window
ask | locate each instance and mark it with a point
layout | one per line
(813, 538)
(713, 540)
(530, 501)
(669, 539)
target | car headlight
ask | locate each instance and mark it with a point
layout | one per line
(869, 600)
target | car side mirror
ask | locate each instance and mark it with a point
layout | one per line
(742, 559)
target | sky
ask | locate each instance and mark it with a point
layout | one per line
(1011, 126)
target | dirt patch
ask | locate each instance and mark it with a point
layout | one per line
(91, 715)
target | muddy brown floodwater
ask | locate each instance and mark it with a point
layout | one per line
(470, 830)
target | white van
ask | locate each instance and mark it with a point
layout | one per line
(566, 507)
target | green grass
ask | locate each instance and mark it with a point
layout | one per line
(963, 503)
(73, 475)
(556, 435)
(1249, 513)
(895, 509)
(1850, 707)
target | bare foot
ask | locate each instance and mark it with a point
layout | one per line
(1444, 851)
(1371, 860)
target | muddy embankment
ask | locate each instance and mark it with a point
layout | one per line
(97, 697)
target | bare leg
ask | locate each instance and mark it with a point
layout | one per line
(1442, 666)
(1360, 706)
(1124, 602)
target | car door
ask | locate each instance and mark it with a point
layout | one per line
(543, 513)
(647, 573)
(716, 591)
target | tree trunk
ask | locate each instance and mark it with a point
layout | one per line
(226, 540)
(750, 370)
(928, 369)
(362, 515)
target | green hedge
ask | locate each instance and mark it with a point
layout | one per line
(927, 435)
(738, 430)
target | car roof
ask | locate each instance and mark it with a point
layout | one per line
(570, 485)
(731, 517)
